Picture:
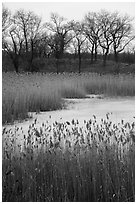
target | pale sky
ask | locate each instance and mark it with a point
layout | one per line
(71, 10)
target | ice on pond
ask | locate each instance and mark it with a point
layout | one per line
(81, 109)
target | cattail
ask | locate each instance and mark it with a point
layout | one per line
(68, 123)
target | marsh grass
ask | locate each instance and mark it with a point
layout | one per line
(23, 93)
(111, 85)
(73, 91)
(68, 162)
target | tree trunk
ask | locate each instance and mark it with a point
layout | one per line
(104, 60)
(79, 57)
(117, 67)
(116, 56)
(95, 52)
(57, 65)
(16, 64)
(92, 54)
(26, 41)
(31, 57)
(15, 61)
(105, 57)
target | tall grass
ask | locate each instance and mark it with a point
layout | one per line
(66, 162)
(27, 93)
(23, 93)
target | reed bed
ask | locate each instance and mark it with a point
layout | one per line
(26, 92)
(64, 161)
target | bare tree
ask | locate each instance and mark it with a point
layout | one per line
(122, 33)
(35, 30)
(6, 22)
(105, 23)
(80, 38)
(13, 46)
(42, 47)
(5, 18)
(30, 25)
(74, 47)
(60, 36)
(91, 30)
(60, 29)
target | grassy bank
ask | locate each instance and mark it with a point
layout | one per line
(65, 162)
(23, 93)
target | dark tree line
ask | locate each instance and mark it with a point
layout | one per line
(24, 36)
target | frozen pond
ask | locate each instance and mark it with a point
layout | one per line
(84, 109)
(78, 109)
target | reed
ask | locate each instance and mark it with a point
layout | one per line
(23, 93)
(66, 162)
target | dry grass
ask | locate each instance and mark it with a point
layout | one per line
(66, 162)
(23, 93)
(63, 161)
